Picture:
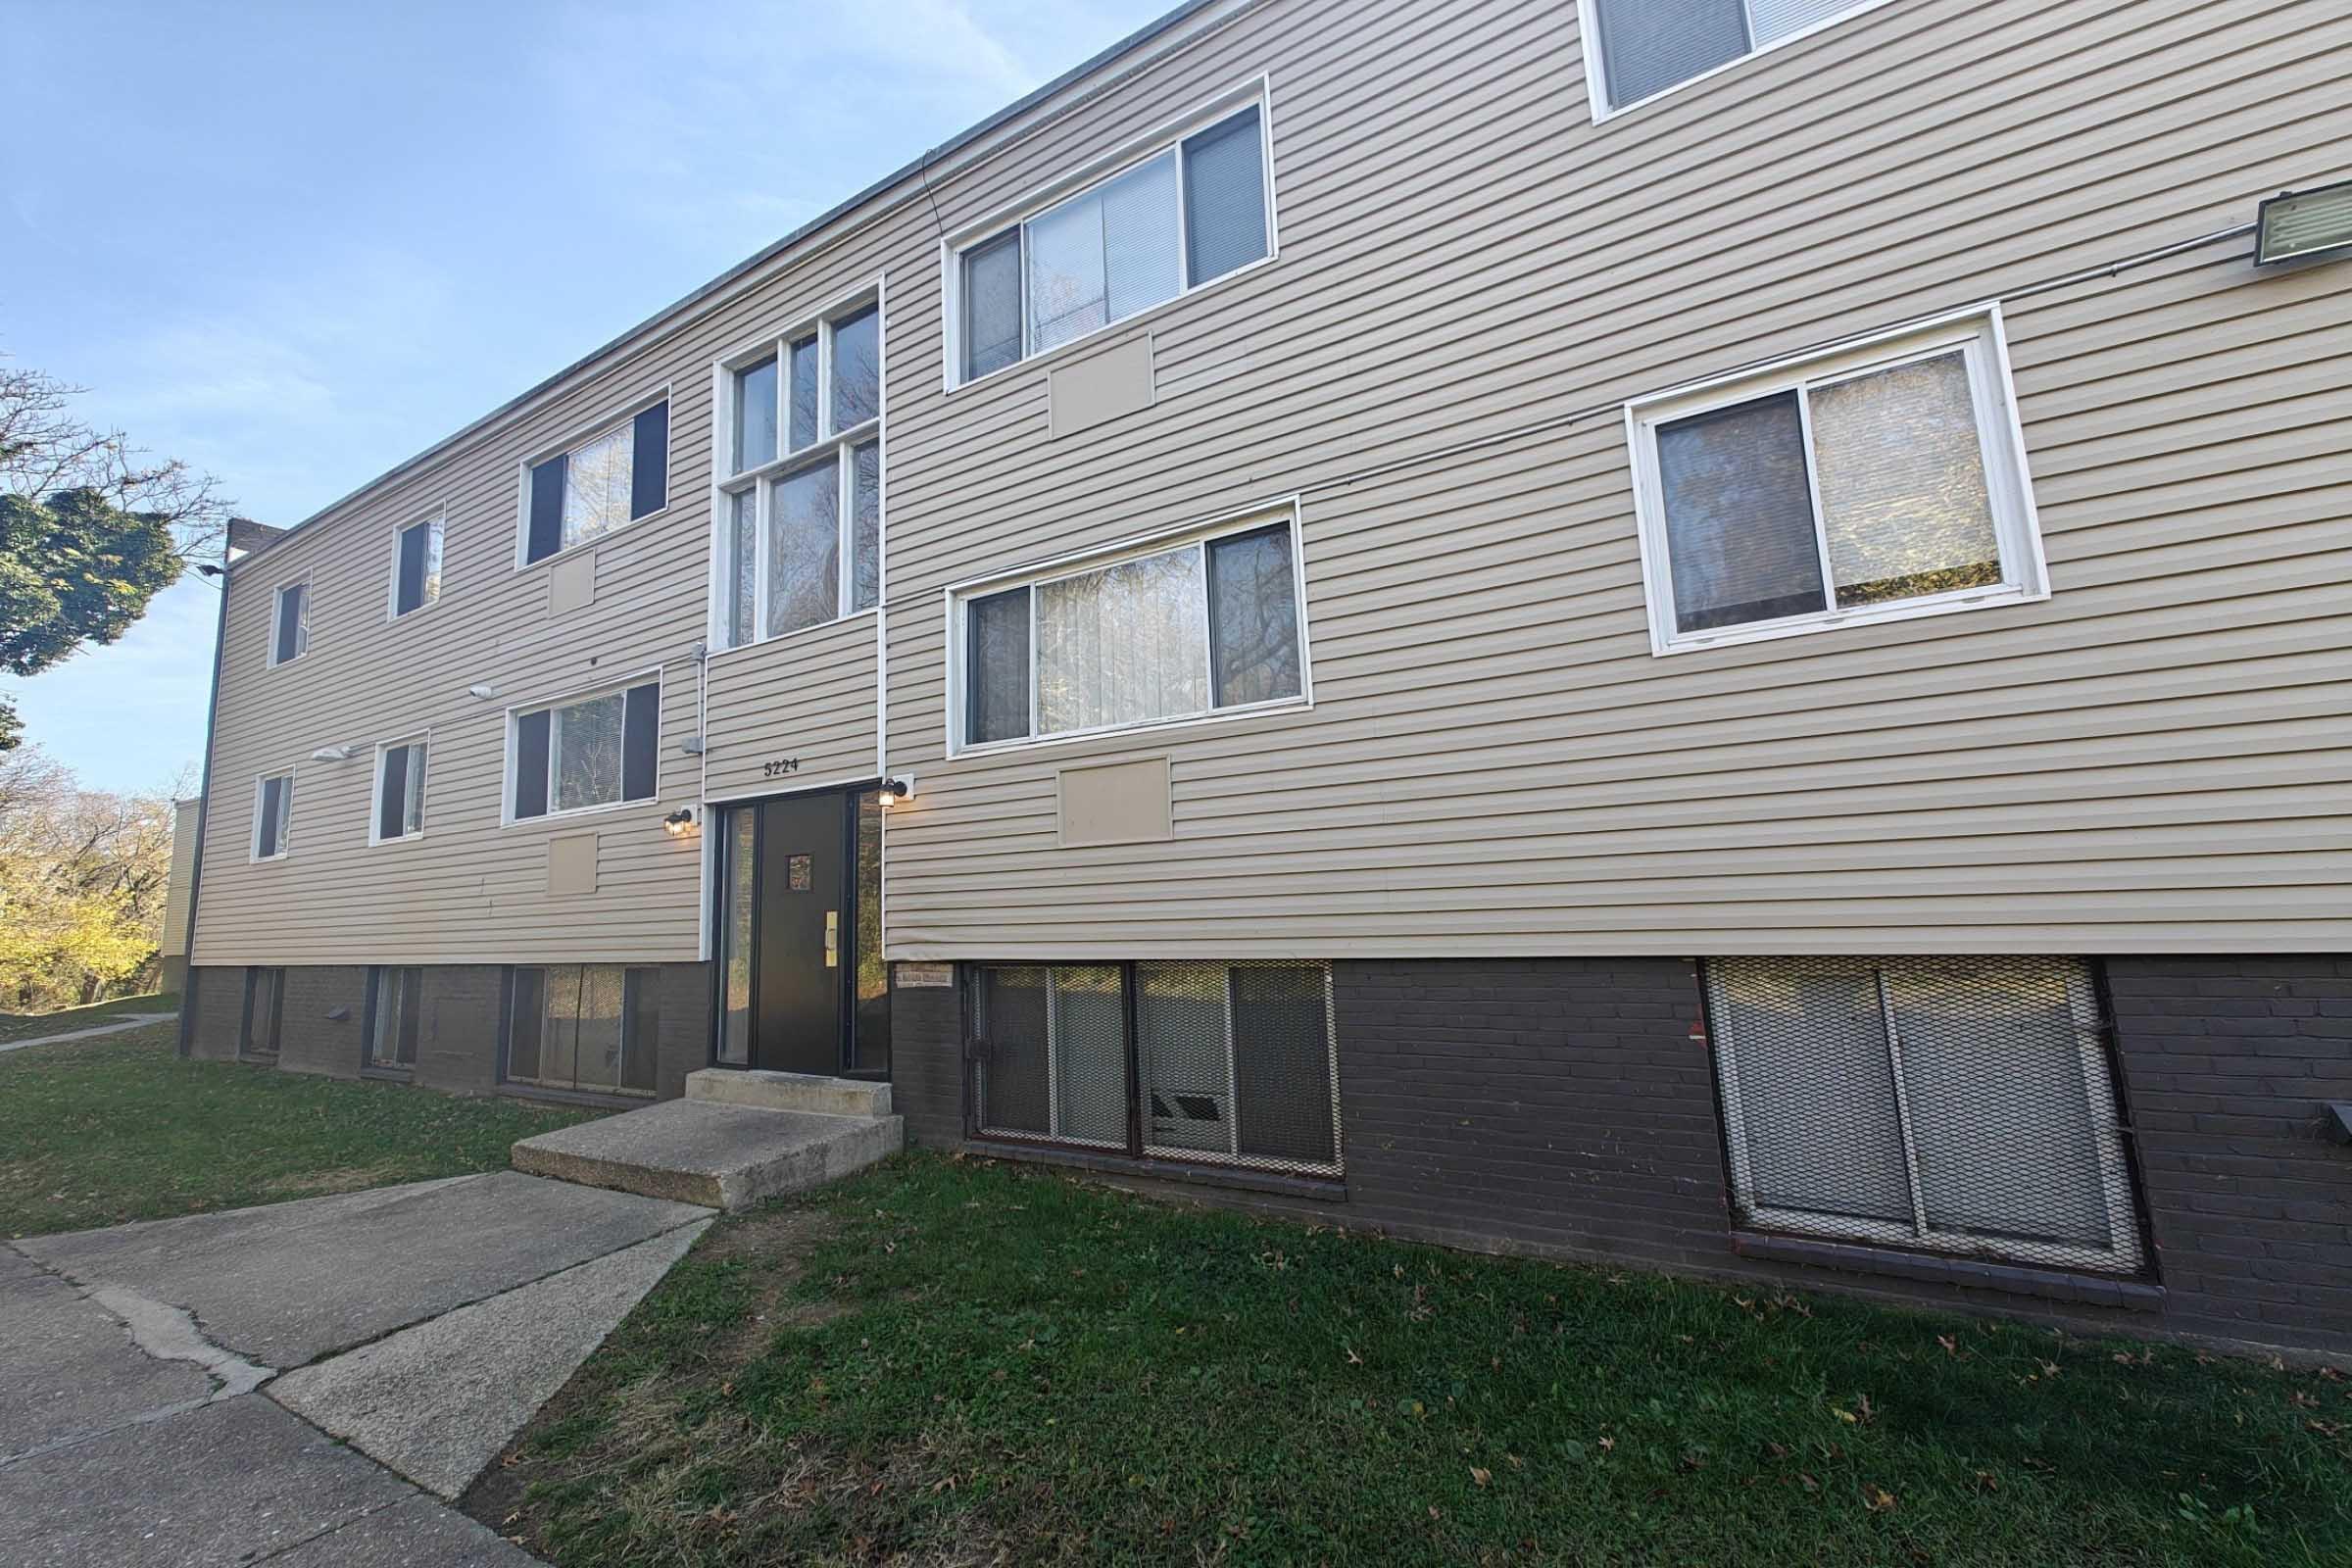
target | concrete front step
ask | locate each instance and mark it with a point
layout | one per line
(789, 1090)
(718, 1155)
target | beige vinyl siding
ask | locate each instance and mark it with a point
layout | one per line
(807, 696)
(1471, 279)
(1495, 763)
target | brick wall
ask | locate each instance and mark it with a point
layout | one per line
(1566, 1107)
(2229, 1066)
(217, 1002)
(457, 1028)
(311, 1038)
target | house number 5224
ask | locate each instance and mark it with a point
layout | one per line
(780, 767)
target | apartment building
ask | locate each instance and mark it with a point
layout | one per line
(1704, 633)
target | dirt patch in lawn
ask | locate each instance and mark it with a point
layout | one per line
(348, 1179)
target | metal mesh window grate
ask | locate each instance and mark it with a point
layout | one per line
(1956, 1105)
(1232, 1063)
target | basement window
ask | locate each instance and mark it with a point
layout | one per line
(1231, 1063)
(585, 1028)
(264, 1015)
(395, 1005)
(1957, 1105)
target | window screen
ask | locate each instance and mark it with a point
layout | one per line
(604, 483)
(1180, 217)
(290, 630)
(1206, 626)
(1232, 1064)
(273, 807)
(596, 751)
(417, 567)
(400, 792)
(1853, 487)
(1959, 1105)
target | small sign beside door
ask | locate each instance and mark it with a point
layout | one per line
(930, 976)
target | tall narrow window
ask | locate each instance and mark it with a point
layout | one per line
(1952, 1105)
(395, 1005)
(1177, 218)
(291, 623)
(1645, 47)
(265, 1014)
(399, 791)
(740, 847)
(801, 531)
(584, 1028)
(273, 816)
(587, 752)
(416, 565)
(611, 480)
(1207, 625)
(1874, 483)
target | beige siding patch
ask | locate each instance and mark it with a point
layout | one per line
(571, 863)
(571, 584)
(1100, 387)
(1125, 802)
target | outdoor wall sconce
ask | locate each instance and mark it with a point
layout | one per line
(680, 822)
(483, 690)
(2303, 225)
(895, 790)
(331, 753)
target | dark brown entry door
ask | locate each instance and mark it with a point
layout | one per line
(803, 934)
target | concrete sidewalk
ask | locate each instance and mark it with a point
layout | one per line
(174, 1393)
(128, 1021)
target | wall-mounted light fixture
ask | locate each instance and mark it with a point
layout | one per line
(482, 689)
(680, 822)
(895, 790)
(2304, 226)
(331, 753)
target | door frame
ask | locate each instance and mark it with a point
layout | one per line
(714, 816)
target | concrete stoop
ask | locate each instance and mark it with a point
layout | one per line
(702, 1150)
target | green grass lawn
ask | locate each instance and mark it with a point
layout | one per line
(97, 1132)
(32, 1025)
(960, 1362)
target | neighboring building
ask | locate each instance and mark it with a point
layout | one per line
(1724, 651)
(172, 951)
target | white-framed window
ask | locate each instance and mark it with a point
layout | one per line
(614, 477)
(1193, 205)
(1883, 479)
(1636, 50)
(290, 621)
(799, 515)
(585, 752)
(1951, 1104)
(273, 816)
(1203, 624)
(395, 1010)
(399, 791)
(416, 565)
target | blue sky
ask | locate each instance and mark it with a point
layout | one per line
(294, 244)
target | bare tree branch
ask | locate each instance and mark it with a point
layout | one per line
(45, 449)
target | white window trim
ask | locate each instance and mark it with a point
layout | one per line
(375, 788)
(1596, 87)
(959, 597)
(1129, 155)
(286, 826)
(2115, 1181)
(719, 629)
(657, 673)
(2017, 526)
(435, 517)
(302, 580)
(582, 435)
